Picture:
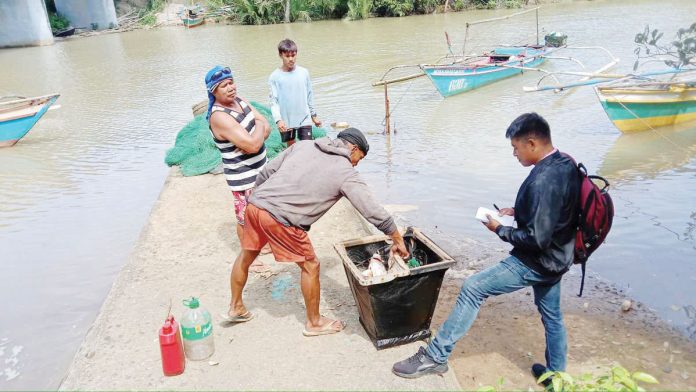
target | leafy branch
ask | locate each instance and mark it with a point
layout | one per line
(616, 379)
(678, 54)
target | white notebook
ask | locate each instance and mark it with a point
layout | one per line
(505, 220)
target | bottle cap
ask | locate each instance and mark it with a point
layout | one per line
(191, 303)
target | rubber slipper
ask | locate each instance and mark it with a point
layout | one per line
(327, 329)
(239, 318)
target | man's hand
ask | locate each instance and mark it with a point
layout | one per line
(316, 121)
(281, 126)
(398, 247)
(506, 211)
(492, 224)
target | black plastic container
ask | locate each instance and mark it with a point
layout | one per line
(397, 308)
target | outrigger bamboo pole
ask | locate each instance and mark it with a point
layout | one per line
(386, 110)
(466, 30)
(605, 76)
(537, 24)
(501, 17)
(401, 79)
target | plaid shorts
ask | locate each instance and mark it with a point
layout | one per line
(241, 199)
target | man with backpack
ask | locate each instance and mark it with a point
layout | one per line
(546, 210)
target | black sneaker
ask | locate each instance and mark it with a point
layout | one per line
(418, 365)
(539, 369)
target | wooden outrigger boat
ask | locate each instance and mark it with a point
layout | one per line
(18, 116)
(639, 108)
(454, 74)
(67, 32)
(192, 17)
(478, 71)
(638, 101)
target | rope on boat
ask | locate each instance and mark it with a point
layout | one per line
(466, 30)
(652, 129)
(384, 120)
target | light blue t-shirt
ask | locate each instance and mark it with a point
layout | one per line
(291, 97)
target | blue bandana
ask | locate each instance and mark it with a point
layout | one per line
(212, 79)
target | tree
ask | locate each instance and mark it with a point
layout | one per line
(678, 54)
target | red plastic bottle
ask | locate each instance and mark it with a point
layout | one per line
(173, 360)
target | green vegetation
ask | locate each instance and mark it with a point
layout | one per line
(148, 16)
(257, 12)
(677, 54)
(616, 379)
(359, 9)
(491, 4)
(58, 22)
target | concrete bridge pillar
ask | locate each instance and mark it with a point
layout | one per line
(88, 14)
(24, 23)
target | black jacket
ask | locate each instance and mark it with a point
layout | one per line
(546, 215)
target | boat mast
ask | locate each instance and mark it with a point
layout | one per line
(466, 32)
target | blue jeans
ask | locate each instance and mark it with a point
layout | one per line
(507, 276)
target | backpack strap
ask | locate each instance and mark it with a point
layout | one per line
(582, 283)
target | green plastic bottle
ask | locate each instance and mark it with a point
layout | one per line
(197, 331)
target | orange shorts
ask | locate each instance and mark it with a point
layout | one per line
(287, 243)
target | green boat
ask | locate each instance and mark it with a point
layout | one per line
(192, 17)
(635, 109)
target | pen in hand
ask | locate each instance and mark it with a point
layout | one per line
(496, 207)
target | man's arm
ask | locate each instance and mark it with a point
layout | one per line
(260, 120)
(360, 196)
(275, 104)
(547, 203)
(227, 128)
(310, 102)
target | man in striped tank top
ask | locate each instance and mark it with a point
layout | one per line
(238, 132)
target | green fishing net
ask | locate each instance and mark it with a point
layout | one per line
(195, 152)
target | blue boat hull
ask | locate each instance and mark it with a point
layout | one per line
(455, 79)
(13, 130)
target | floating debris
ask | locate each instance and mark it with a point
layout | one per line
(340, 124)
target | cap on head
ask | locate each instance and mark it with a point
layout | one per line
(215, 76)
(354, 136)
(212, 80)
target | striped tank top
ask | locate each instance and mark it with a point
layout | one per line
(240, 168)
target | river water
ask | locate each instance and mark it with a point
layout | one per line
(75, 193)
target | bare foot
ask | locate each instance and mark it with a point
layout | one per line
(259, 267)
(325, 326)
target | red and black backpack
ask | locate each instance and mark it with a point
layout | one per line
(595, 216)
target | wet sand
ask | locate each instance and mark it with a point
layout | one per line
(187, 249)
